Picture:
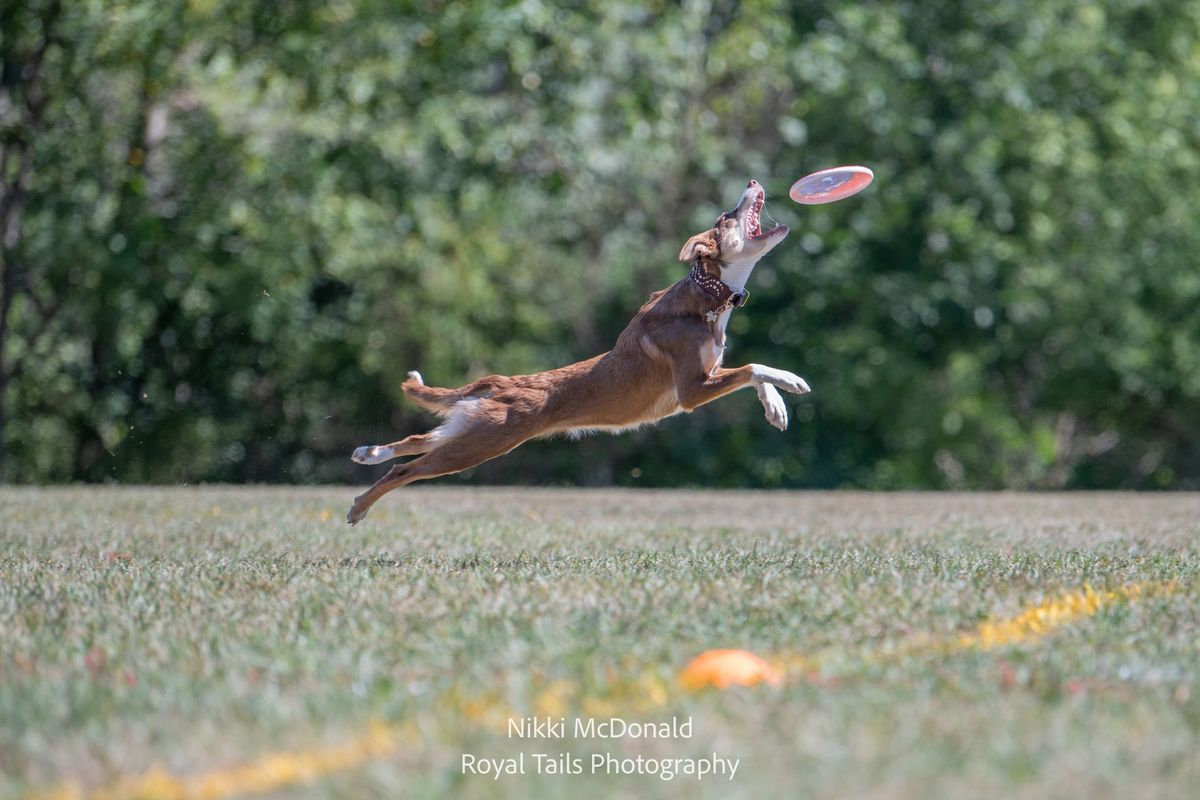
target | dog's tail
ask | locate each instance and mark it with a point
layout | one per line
(432, 398)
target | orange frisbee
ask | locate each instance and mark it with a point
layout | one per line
(831, 185)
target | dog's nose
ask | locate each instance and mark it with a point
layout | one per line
(751, 184)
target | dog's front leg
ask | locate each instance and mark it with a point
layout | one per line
(788, 381)
(697, 389)
(773, 407)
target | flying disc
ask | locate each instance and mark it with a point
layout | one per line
(831, 185)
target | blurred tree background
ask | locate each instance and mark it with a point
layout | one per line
(229, 228)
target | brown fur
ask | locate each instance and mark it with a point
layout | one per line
(657, 368)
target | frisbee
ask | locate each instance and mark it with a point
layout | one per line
(831, 185)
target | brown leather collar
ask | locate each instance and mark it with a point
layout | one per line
(715, 288)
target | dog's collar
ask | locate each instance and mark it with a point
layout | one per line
(715, 288)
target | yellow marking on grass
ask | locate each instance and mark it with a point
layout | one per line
(267, 774)
(1045, 617)
(1032, 623)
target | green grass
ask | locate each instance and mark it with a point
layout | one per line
(201, 628)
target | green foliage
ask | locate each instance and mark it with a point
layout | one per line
(244, 222)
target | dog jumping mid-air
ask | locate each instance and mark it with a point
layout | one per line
(667, 360)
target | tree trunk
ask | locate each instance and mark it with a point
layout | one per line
(10, 237)
(7, 287)
(21, 75)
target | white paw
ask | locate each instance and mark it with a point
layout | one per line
(371, 454)
(793, 383)
(413, 375)
(773, 407)
(788, 381)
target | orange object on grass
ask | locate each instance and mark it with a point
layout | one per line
(724, 668)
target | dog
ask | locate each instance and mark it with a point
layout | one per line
(667, 360)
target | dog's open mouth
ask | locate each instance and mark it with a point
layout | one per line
(754, 216)
(754, 219)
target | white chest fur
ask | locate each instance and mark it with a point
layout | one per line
(713, 350)
(734, 275)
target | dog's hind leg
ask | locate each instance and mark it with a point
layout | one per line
(478, 443)
(430, 465)
(413, 445)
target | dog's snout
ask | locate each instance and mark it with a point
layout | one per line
(751, 184)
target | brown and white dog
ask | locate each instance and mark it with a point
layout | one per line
(667, 360)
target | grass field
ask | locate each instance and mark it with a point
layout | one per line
(221, 641)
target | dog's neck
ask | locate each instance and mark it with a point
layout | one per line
(734, 274)
(723, 280)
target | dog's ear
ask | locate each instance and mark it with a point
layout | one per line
(702, 246)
